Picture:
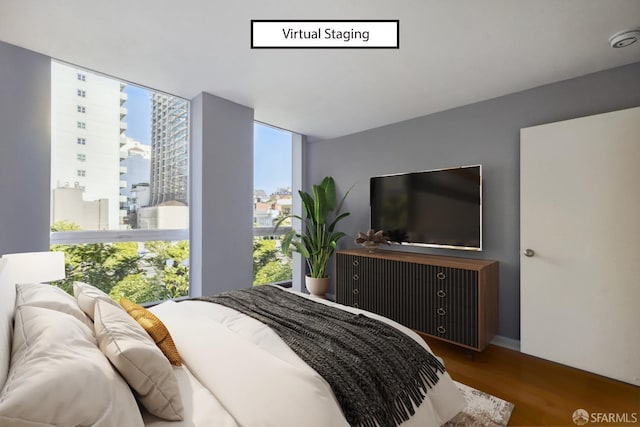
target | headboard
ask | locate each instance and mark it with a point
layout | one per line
(26, 267)
(7, 305)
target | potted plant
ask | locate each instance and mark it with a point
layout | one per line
(318, 239)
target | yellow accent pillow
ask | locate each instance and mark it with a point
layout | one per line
(155, 328)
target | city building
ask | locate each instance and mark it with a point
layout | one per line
(267, 210)
(172, 215)
(283, 200)
(170, 149)
(68, 205)
(260, 195)
(87, 117)
(135, 166)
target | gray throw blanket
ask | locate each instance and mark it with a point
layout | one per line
(376, 372)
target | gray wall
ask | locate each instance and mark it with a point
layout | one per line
(221, 195)
(25, 153)
(484, 133)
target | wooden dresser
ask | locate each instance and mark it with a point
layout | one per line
(449, 298)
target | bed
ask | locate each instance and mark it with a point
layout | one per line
(57, 366)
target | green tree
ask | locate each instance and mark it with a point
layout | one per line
(264, 252)
(99, 264)
(65, 225)
(175, 281)
(162, 253)
(274, 271)
(119, 270)
(137, 288)
(170, 260)
(269, 263)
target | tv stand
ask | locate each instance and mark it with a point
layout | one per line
(449, 298)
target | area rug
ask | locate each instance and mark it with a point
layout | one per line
(483, 410)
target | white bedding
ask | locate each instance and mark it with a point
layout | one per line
(259, 381)
(200, 407)
(236, 371)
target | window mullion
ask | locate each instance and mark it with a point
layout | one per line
(107, 236)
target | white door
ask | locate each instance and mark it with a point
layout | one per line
(580, 241)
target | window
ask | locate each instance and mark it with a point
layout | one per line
(119, 206)
(272, 199)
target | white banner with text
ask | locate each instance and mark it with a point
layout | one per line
(325, 34)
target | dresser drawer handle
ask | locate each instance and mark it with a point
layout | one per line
(441, 293)
(356, 277)
(356, 291)
(442, 329)
(356, 263)
(441, 276)
(441, 311)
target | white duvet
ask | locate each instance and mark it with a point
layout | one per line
(238, 372)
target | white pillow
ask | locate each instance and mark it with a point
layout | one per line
(52, 297)
(139, 361)
(87, 295)
(58, 376)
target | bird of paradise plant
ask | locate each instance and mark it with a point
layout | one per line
(318, 239)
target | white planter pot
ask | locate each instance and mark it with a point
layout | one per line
(317, 286)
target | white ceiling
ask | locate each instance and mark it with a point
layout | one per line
(452, 52)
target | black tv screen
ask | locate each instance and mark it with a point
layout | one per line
(436, 208)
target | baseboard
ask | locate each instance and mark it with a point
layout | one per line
(505, 342)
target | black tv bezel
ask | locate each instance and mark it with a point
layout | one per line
(435, 245)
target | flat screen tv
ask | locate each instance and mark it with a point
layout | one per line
(437, 208)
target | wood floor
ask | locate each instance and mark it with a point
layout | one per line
(544, 393)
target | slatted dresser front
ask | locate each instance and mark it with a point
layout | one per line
(449, 298)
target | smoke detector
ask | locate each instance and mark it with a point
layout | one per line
(625, 38)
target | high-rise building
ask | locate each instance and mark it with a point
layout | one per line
(135, 165)
(87, 131)
(135, 168)
(169, 150)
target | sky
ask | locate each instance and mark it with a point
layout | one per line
(272, 146)
(138, 114)
(271, 158)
